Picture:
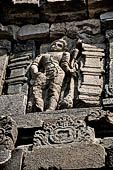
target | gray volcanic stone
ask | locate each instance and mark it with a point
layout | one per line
(75, 28)
(107, 142)
(66, 157)
(96, 7)
(31, 120)
(3, 65)
(108, 145)
(9, 31)
(34, 31)
(106, 21)
(13, 104)
(15, 163)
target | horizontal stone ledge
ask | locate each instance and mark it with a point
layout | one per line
(36, 1)
(39, 31)
(32, 120)
(79, 156)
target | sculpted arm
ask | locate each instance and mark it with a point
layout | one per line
(34, 66)
(65, 62)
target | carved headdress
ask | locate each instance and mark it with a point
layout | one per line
(63, 41)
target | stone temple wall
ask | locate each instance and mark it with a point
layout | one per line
(56, 84)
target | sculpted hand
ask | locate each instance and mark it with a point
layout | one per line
(73, 72)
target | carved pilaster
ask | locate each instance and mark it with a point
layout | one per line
(91, 74)
(19, 67)
(108, 101)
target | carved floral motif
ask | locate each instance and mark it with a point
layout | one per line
(64, 130)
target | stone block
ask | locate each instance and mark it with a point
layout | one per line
(106, 21)
(96, 7)
(32, 120)
(75, 28)
(63, 10)
(20, 14)
(13, 104)
(79, 156)
(34, 31)
(3, 66)
(108, 102)
(15, 163)
(9, 31)
(18, 88)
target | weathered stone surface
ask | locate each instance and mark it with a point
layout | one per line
(67, 157)
(34, 31)
(106, 21)
(8, 136)
(102, 122)
(19, 63)
(20, 14)
(15, 163)
(108, 90)
(39, 2)
(9, 31)
(6, 45)
(13, 104)
(61, 11)
(107, 142)
(26, 1)
(96, 7)
(32, 120)
(75, 29)
(47, 84)
(3, 66)
(91, 71)
(63, 130)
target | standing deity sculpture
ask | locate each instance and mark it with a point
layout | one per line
(48, 72)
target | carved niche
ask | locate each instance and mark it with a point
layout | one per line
(8, 137)
(64, 77)
(63, 130)
(54, 76)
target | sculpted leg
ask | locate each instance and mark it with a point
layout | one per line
(54, 92)
(38, 89)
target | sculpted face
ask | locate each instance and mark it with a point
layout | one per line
(57, 46)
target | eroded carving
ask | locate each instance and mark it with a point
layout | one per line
(8, 136)
(63, 130)
(19, 65)
(51, 73)
(108, 100)
(91, 74)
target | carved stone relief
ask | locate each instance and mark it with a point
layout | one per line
(19, 67)
(8, 136)
(108, 101)
(53, 77)
(91, 74)
(63, 130)
(63, 78)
